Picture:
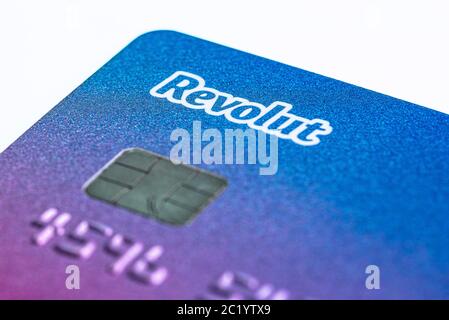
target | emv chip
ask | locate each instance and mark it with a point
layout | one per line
(152, 185)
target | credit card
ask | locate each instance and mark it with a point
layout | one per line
(184, 169)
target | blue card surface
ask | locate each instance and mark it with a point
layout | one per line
(356, 206)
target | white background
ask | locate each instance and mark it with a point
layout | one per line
(396, 47)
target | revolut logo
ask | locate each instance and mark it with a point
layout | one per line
(190, 91)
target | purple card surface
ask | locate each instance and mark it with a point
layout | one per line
(183, 169)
